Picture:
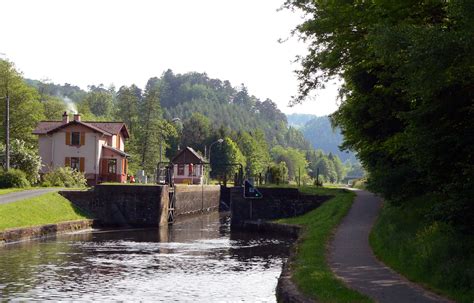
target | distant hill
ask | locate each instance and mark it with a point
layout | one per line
(299, 120)
(319, 132)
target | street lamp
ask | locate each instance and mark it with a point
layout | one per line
(210, 146)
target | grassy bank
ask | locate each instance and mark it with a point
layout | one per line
(45, 209)
(427, 252)
(311, 271)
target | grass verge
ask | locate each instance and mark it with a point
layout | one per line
(425, 251)
(311, 272)
(4, 191)
(49, 208)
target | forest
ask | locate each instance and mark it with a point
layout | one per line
(178, 110)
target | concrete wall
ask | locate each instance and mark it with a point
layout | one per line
(276, 203)
(126, 205)
(196, 198)
(143, 205)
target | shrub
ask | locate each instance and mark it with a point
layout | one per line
(24, 157)
(64, 177)
(13, 178)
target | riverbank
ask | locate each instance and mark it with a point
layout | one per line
(50, 208)
(309, 268)
(425, 251)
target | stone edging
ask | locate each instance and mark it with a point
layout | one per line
(35, 232)
(286, 290)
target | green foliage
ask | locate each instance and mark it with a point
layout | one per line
(64, 177)
(99, 101)
(224, 154)
(128, 105)
(255, 151)
(24, 158)
(294, 159)
(49, 208)
(426, 251)
(311, 271)
(278, 173)
(53, 107)
(13, 178)
(407, 108)
(196, 131)
(25, 108)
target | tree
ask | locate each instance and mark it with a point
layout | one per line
(153, 129)
(128, 102)
(407, 107)
(255, 152)
(99, 101)
(25, 109)
(24, 158)
(223, 156)
(196, 131)
(295, 160)
(54, 107)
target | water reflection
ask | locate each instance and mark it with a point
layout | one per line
(196, 259)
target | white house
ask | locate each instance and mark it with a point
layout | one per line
(95, 148)
(188, 167)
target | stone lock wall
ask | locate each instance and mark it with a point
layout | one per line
(124, 205)
(196, 198)
(276, 203)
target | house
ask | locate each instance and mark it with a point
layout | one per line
(95, 148)
(188, 167)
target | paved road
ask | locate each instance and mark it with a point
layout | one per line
(352, 259)
(21, 195)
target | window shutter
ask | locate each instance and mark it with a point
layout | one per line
(126, 166)
(118, 141)
(123, 166)
(83, 138)
(81, 164)
(67, 162)
(68, 138)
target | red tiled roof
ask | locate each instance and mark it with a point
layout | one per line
(108, 128)
(118, 151)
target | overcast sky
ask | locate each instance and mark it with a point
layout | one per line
(86, 42)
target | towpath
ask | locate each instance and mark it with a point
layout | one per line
(26, 194)
(352, 259)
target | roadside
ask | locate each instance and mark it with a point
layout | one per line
(352, 260)
(310, 270)
(25, 194)
(46, 207)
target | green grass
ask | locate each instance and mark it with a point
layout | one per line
(312, 274)
(44, 209)
(427, 252)
(4, 191)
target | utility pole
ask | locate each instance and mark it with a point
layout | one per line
(7, 133)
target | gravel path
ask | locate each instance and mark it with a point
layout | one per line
(26, 194)
(352, 259)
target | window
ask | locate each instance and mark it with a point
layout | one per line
(112, 166)
(75, 164)
(180, 169)
(75, 138)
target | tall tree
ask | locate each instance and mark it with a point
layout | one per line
(408, 107)
(25, 108)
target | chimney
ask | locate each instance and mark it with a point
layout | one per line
(65, 118)
(77, 117)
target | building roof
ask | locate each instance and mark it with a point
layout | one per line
(188, 155)
(107, 128)
(115, 150)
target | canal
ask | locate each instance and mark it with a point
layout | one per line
(197, 259)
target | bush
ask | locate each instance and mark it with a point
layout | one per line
(64, 177)
(13, 178)
(25, 158)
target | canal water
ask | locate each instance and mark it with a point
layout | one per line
(197, 259)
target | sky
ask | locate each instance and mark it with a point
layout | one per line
(124, 42)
